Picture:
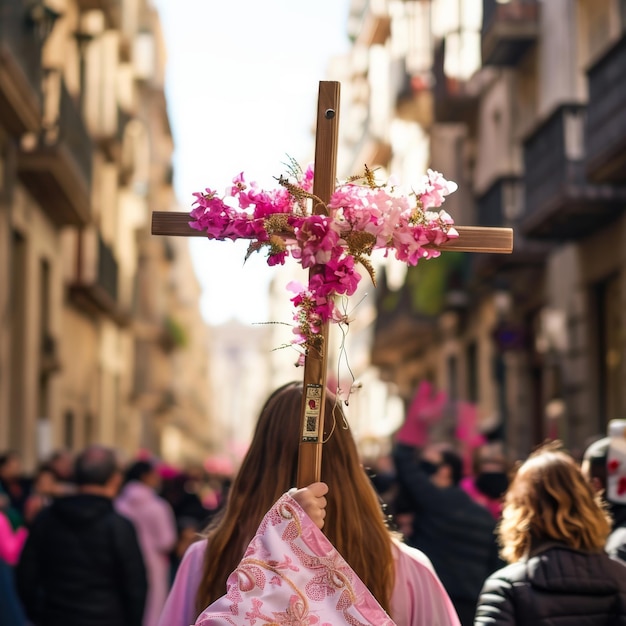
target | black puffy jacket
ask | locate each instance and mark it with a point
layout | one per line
(454, 532)
(82, 566)
(558, 586)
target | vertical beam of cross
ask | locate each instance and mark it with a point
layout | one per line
(315, 363)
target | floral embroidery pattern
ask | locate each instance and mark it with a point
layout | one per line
(292, 575)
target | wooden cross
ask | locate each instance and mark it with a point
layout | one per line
(471, 239)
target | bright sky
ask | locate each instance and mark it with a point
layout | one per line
(242, 83)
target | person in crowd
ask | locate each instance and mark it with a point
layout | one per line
(11, 541)
(595, 468)
(179, 492)
(399, 577)
(552, 534)
(12, 483)
(82, 563)
(188, 532)
(61, 463)
(490, 478)
(456, 533)
(156, 529)
(11, 544)
(43, 489)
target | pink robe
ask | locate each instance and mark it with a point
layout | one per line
(304, 557)
(155, 524)
(11, 541)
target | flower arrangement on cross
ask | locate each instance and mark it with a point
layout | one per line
(362, 215)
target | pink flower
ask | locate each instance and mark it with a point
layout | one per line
(266, 203)
(435, 189)
(316, 239)
(295, 286)
(392, 221)
(340, 276)
(238, 186)
(307, 179)
(277, 258)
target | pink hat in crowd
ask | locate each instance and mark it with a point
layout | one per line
(219, 465)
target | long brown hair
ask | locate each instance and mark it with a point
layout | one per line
(550, 500)
(354, 522)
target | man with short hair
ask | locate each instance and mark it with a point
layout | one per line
(594, 467)
(81, 565)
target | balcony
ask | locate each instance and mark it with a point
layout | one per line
(399, 337)
(20, 69)
(111, 8)
(55, 164)
(413, 96)
(606, 116)
(509, 30)
(501, 206)
(95, 287)
(110, 135)
(560, 203)
(406, 322)
(452, 99)
(370, 25)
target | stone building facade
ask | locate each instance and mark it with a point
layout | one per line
(95, 312)
(522, 104)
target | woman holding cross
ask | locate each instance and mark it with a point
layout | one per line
(345, 505)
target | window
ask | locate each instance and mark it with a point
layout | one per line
(68, 430)
(611, 367)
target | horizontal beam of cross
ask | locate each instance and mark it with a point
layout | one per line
(470, 239)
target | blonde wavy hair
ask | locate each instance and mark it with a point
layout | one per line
(550, 500)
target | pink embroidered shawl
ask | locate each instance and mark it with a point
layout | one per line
(291, 574)
(418, 597)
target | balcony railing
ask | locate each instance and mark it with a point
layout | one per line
(501, 206)
(95, 287)
(560, 203)
(509, 30)
(20, 69)
(452, 100)
(400, 333)
(413, 96)
(406, 321)
(55, 165)
(606, 116)
(110, 135)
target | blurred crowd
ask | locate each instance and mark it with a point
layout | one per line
(497, 535)
(88, 492)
